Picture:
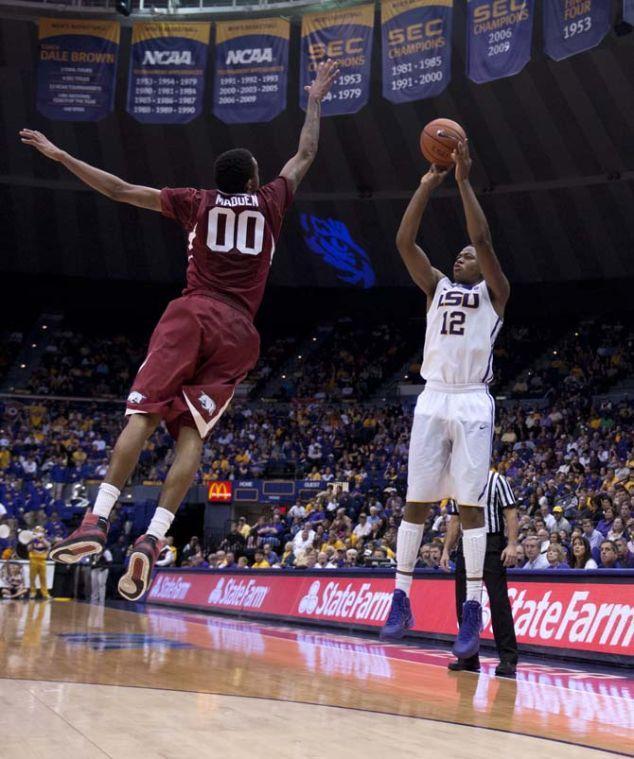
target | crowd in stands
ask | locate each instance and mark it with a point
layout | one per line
(351, 362)
(591, 358)
(570, 462)
(74, 364)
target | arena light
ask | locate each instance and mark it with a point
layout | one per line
(124, 7)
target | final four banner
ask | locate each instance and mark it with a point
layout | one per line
(76, 68)
(416, 38)
(572, 26)
(499, 34)
(251, 70)
(346, 37)
(167, 71)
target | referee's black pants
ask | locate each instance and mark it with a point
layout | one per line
(495, 583)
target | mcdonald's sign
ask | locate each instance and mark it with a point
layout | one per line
(220, 491)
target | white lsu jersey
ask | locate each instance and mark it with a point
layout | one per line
(461, 329)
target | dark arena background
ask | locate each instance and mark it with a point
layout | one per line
(259, 628)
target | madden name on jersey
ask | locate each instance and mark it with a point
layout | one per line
(237, 200)
(250, 55)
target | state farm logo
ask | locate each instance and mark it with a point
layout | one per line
(244, 593)
(345, 602)
(574, 619)
(309, 602)
(170, 588)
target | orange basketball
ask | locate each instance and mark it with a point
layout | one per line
(439, 139)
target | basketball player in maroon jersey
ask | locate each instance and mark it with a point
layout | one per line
(205, 342)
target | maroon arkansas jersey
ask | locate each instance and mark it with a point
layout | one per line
(232, 238)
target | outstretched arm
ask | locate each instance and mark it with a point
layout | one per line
(414, 257)
(107, 184)
(479, 232)
(296, 168)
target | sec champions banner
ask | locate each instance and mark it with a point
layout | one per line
(167, 71)
(416, 37)
(499, 34)
(76, 68)
(251, 70)
(346, 37)
(572, 26)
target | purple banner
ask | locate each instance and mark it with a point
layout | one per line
(251, 70)
(499, 34)
(346, 37)
(416, 37)
(572, 26)
(167, 71)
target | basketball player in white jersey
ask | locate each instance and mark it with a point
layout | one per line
(450, 445)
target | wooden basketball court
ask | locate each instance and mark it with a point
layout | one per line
(88, 681)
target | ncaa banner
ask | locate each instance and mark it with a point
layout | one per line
(572, 26)
(167, 71)
(416, 37)
(499, 34)
(77, 63)
(251, 70)
(346, 37)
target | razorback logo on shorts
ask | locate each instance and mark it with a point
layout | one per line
(207, 403)
(135, 397)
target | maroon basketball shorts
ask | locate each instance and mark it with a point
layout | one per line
(200, 350)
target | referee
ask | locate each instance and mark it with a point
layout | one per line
(500, 509)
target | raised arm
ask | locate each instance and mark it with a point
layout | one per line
(414, 257)
(295, 169)
(479, 232)
(107, 184)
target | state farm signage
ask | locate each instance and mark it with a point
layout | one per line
(595, 617)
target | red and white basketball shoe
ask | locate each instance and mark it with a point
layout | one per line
(87, 540)
(136, 580)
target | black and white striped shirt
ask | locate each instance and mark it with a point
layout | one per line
(499, 496)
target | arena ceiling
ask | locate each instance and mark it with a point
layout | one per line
(554, 164)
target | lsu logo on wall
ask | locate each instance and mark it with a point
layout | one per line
(220, 491)
(331, 239)
(248, 56)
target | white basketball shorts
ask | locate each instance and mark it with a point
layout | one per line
(451, 444)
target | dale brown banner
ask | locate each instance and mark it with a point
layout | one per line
(578, 616)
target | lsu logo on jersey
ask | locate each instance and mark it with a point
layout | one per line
(459, 298)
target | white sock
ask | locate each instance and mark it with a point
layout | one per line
(408, 540)
(107, 496)
(161, 522)
(474, 546)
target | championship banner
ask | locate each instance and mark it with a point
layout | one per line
(416, 37)
(251, 70)
(167, 71)
(572, 26)
(76, 68)
(556, 612)
(346, 37)
(628, 11)
(499, 34)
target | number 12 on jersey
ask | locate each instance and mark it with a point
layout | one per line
(228, 231)
(453, 323)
